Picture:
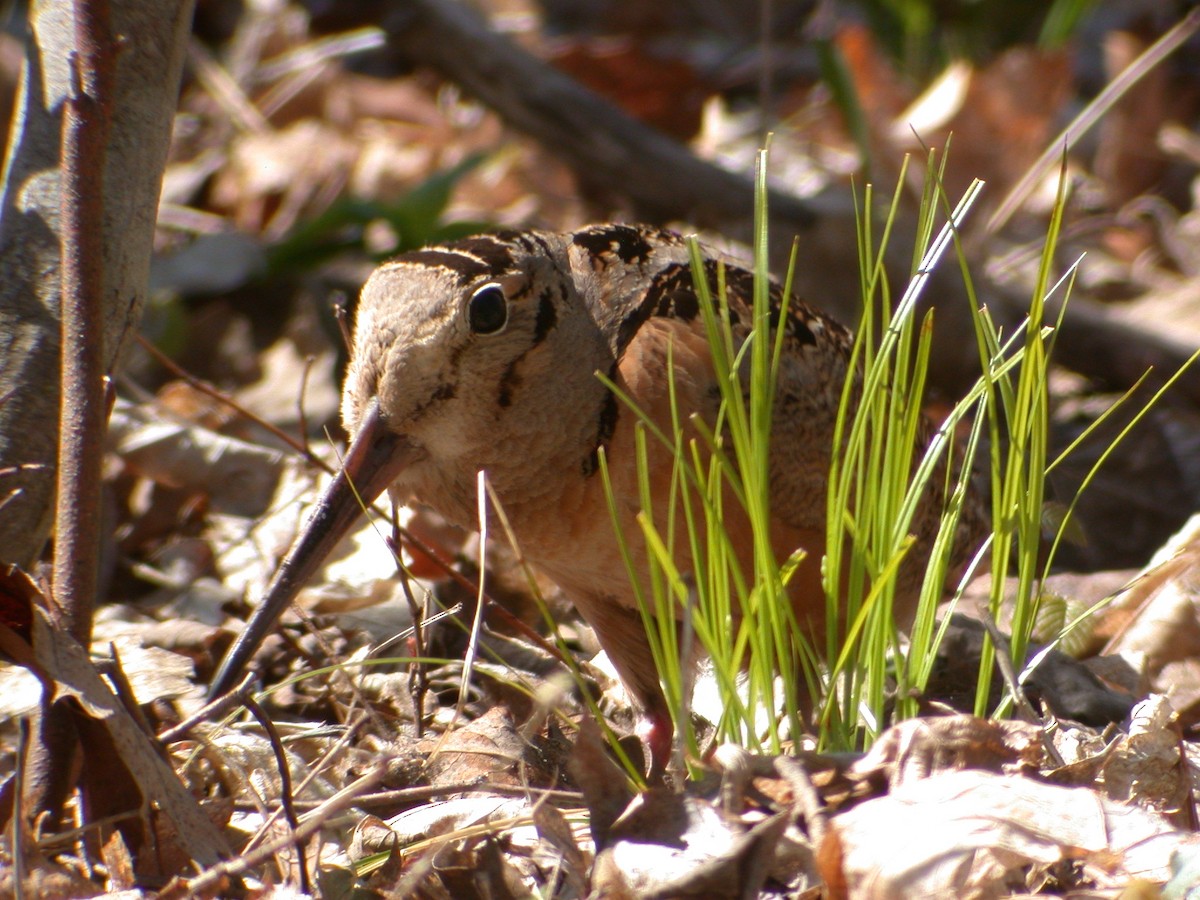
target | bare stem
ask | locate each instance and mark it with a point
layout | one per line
(87, 115)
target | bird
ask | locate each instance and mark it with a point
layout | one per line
(485, 354)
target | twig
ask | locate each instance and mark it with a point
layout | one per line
(285, 783)
(807, 800)
(602, 144)
(301, 414)
(20, 824)
(214, 710)
(226, 91)
(296, 70)
(315, 53)
(340, 316)
(209, 882)
(87, 116)
(404, 797)
(1007, 671)
(418, 676)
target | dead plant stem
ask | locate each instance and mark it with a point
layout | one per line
(87, 116)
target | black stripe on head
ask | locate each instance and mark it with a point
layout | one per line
(740, 283)
(494, 250)
(797, 326)
(627, 243)
(466, 266)
(547, 317)
(629, 326)
(509, 382)
(531, 242)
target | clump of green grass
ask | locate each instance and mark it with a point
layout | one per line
(741, 619)
(881, 474)
(881, 479)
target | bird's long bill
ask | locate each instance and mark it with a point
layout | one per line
(375, 459)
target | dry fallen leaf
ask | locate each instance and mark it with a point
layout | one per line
(237, 476)
(674, 845)
(488, 749)
(1165, 624)
(917, 748)
(977, 834)
(455, 834)
(1149, 766)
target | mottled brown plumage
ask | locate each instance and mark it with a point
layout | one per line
(483, 354)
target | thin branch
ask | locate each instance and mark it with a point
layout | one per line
(211, 879)
(602, 144)
(87, 117)
(285, 783)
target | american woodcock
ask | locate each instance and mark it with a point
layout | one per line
(483, 354)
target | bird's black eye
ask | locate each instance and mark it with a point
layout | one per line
(488, 310)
